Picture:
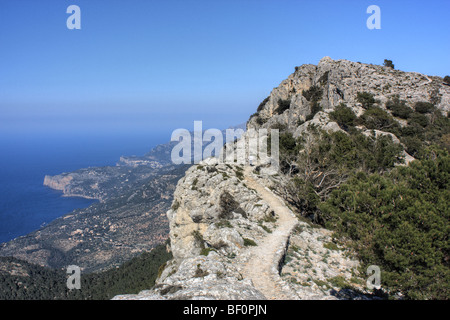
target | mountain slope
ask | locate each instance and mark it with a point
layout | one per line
(339, 122)
(339, 81)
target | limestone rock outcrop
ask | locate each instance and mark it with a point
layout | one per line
(340, 81)
(229, 235)
(213, 219)
(222, 212)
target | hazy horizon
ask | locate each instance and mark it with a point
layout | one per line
(140, 66)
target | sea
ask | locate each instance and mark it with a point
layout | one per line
(25, 203)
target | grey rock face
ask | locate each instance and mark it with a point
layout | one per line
(340, 81)
(207, 236)
(322, 120)
(199, 211)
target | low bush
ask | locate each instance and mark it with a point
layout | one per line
(399, 221)
(314, 93)
(399, 108)
(283, 105)
(249, 242)
(423, 107)
(228, 205)
(260, 121)
(379, 119)
(206, 251)
(366, 99)
(344, 116)
(262, 104)
(175, 205)
(198, 237)
(389, 64)
(419, 119)
(200, 273)
(447, 80)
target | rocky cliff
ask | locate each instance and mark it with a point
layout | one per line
(233, 237)
(230, 235)
(340, 81)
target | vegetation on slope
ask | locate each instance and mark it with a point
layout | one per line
(34, 282)
(400, 222)
(396, 217)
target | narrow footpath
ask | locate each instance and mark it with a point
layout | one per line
(262, 267)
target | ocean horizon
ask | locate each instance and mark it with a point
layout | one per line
(26, 204)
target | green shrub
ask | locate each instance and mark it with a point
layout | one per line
(413, 145)
(321, 283)
(366, 99)
(419, 119)
(331, 246)
(263, 103)
(200, 273)
(279, 126)
(270, 217)
(266, 229)
(206, 251)
(239, 174)
(171, 289)
(314, 93)
(315, 107)
(447, 79)
(324, 78)
(288, 148)
(344, 116)
(377, 118)
(175, 205)
(399, 222)
(198, 238)
(211, 169)
(287, 142)
(339, 282)
(331, 158)
(389, 63)
(399, 108)
(228, 205)
(223, 223)
(438, 130)
(423, 107)
(260, 121)
(249, 242)
(194, 184)
(161, 269)
(283, 105)
(412, 129)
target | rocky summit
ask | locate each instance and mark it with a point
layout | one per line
(340, 81)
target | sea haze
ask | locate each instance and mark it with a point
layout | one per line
(25, 204)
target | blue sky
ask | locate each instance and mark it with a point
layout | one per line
(141, 64)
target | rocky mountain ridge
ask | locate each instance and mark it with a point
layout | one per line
(222, 212)
(341, 80)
